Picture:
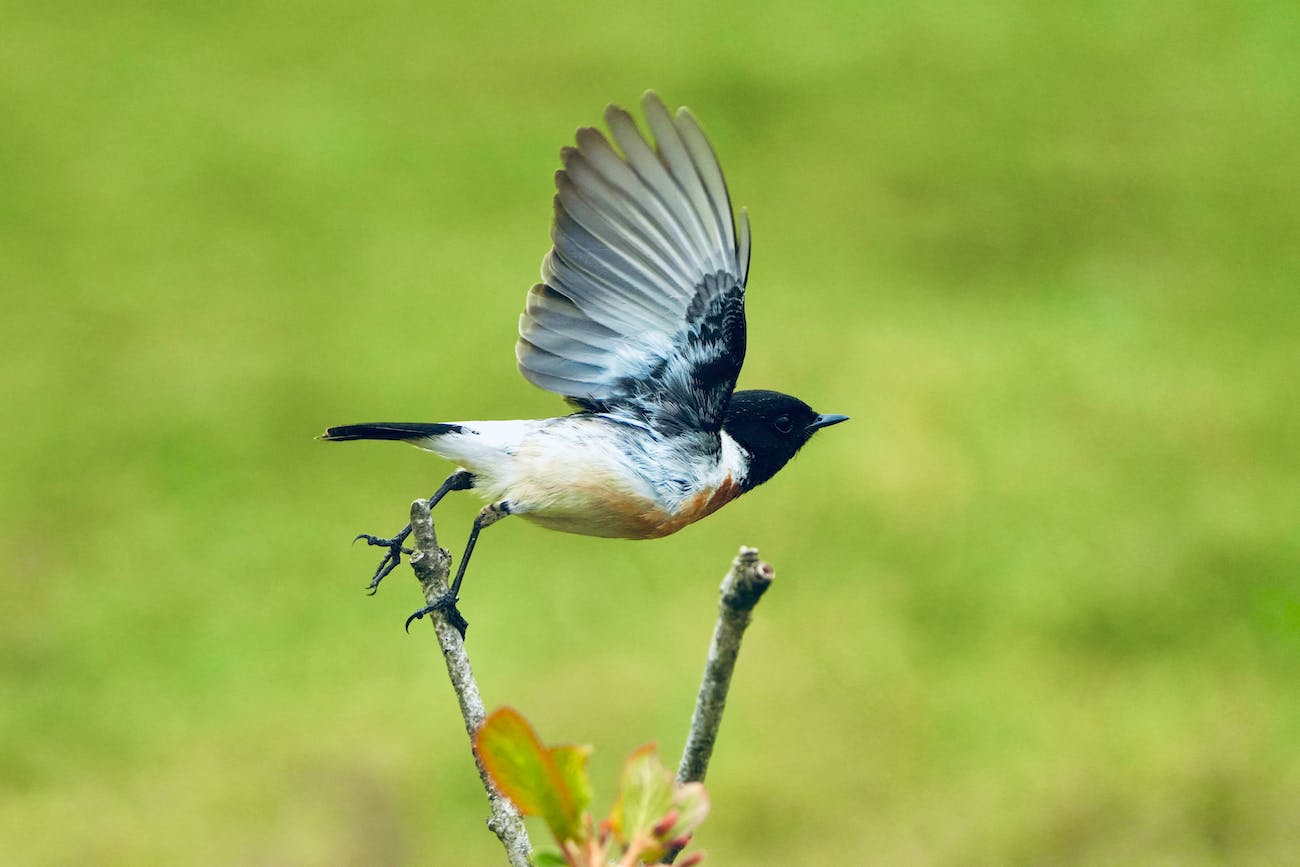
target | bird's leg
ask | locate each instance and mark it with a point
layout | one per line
(458, 481)
(490, 514)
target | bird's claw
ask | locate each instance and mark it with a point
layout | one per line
(445, 603)
(379, 542)
(391, 560)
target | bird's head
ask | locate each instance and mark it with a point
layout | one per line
(771, 427)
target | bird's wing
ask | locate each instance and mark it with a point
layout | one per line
(642, 308)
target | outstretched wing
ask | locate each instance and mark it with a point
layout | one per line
(642, 308)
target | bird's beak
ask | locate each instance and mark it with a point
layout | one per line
(826, 421)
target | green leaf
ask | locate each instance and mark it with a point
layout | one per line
(654, 811)
(529, 775)
(571, 762)
(645, 796)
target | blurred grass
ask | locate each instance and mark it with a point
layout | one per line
(1038, 602)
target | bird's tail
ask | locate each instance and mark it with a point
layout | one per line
(388, 430)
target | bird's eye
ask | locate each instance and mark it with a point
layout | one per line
(782, 424)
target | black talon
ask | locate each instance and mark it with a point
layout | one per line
(458, 481)
(419, 615)
(386, 565)
(447, 604)
(447, 601)
(391, 560)
(394, 545)
(380, 542)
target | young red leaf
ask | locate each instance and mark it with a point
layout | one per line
(692, 803)
(528, 774)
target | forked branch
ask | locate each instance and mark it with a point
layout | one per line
(745, 583)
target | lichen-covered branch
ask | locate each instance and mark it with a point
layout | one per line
(743, 586)
(431, 564)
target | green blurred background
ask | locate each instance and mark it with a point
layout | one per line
(1037, 603)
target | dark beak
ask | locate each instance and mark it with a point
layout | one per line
(826, 421)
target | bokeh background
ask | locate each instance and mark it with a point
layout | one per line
(1037, 603)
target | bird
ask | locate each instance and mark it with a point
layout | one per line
(639, 324)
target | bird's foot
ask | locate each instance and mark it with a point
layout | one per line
(445, 603)
(391, 560)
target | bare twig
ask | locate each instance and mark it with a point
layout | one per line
(744, 585)
(431, 564)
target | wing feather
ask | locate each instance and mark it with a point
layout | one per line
(641, 308)
(647, 218)
(742, 245)
(624, 243)
(706, 165)
(672, 150)
(664, 195)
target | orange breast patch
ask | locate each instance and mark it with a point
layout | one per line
(701, 505)
(603, 511)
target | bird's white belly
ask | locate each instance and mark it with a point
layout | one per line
(580, 476)
(583, 487)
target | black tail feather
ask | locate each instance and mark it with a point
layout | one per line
(388, 430)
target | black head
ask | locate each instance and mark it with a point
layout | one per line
(771, 427)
